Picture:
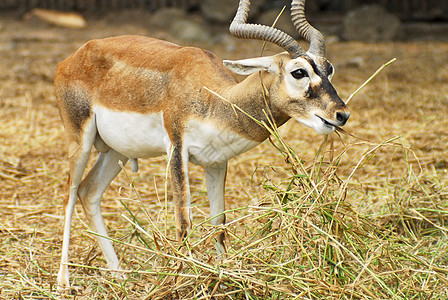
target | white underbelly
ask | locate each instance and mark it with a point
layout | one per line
(144, 135)
(208, 144)
(132, 134)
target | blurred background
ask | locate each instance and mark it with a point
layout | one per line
(365, 20)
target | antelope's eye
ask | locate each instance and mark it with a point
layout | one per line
(330, 70)
(299, 74)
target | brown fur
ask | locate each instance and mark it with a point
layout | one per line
(141, 74)
(147, 76)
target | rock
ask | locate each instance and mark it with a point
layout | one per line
(356, 62)
(426, 31)
(165, 17)
(189, 30)
(227, 40)
(136, 17)
(371, 23)
(180, 25)
(223, 11)
(63, 19)
(218, 10)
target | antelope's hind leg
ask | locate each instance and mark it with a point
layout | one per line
(90, 193)
(79, 152)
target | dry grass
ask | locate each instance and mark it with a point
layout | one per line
(359, 219)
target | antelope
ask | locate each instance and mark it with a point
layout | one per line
(137, 97)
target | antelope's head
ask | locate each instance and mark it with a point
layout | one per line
(301, 81)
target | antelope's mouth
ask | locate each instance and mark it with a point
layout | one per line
(327, 123)
(319, 124)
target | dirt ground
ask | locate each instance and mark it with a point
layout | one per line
(406, 103)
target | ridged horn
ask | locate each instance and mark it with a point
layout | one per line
(240, 29)
(308, 32)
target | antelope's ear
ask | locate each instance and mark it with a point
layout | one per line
(251, 65)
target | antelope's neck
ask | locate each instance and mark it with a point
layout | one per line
(250, 101)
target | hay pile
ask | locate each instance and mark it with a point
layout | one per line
(345, 219)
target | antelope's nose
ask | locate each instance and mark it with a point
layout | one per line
(342, 118)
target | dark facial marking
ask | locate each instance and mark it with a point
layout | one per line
(325, 87)
(311, 92)
(313, 65)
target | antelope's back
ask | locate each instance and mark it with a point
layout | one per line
(138, 73)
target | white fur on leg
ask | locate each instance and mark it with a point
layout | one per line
(78, 165)
(215, 176)
(90, 193)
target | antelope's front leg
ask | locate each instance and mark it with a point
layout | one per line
(215, 176)
(181, 190)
